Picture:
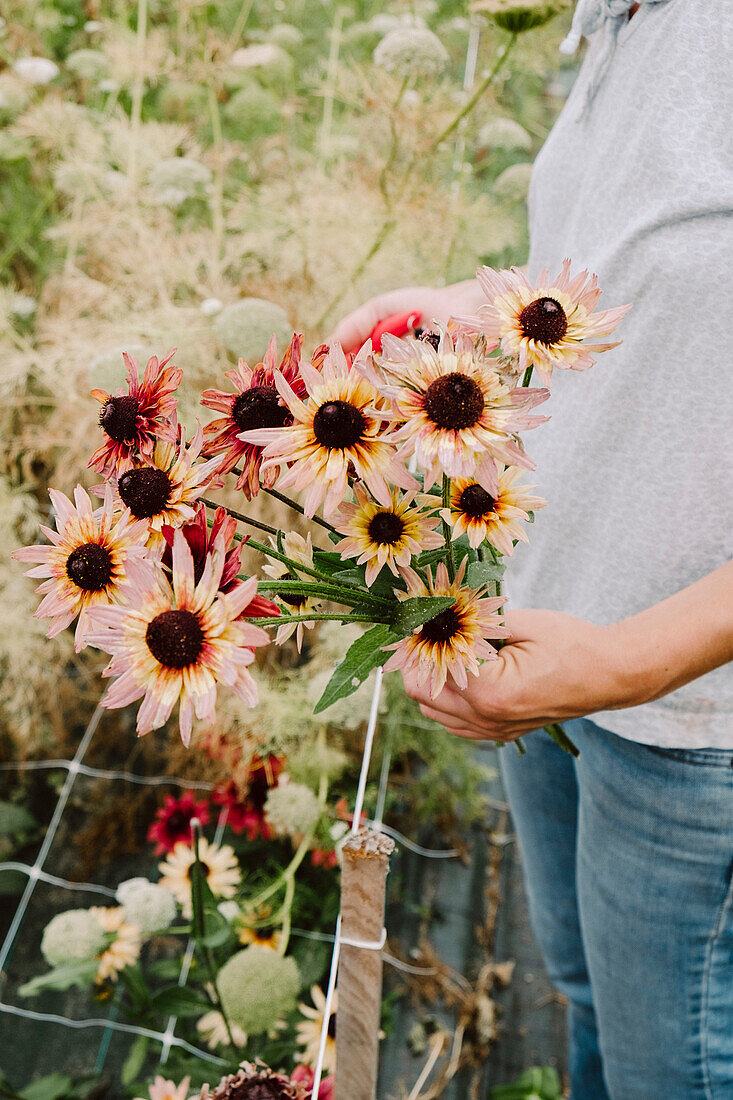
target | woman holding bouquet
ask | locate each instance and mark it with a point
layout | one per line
(626, 593)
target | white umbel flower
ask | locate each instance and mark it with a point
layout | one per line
(147, 905)
(291, 808)
(176, 179)
(36, 70)
(513, 183)
(73, 936)
(411, 51)
(504, 133)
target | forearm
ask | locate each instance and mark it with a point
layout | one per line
(677, 640)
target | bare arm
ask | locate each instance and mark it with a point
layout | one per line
(557, 667)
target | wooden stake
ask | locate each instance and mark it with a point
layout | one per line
(363, 877)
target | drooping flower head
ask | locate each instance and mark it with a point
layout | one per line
(456, 413)
(454, 641)
(164, 488)
(308, 1031)
(254, 1082)
(384, 534)
(133, 421)
(255, 403)
(298, 549)
(338, 430)
(124, 948)
(173, 821)
(201, 540)
(92, 556)
(547, 325)
(218, 863)
(494, 519)
(177, 642)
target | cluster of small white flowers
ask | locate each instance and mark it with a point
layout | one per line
(411, 51)
(245, 328)
(148, 906)
(513, 183)
(13, 96)
(291, 808)
(23, 306)
(36, 70)
(175, 180)
(504, 133)
(88, 64)
(257, 987)
(73, 936)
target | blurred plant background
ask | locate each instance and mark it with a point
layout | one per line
(199, 175)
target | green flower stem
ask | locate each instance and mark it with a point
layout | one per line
(480, 91)
(390, 221)
(297, 508)
(314, 616)
(199, 930)
(242, 518)
(450, 560)
(365, 596)
(332, 592)
(559, 736)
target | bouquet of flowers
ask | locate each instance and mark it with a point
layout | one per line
(408, 461)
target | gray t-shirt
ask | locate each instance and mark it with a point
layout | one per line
(636, 463)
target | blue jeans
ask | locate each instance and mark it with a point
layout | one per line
(628, 863)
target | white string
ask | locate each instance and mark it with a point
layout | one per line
(54, 880)
(48, 840)
(102, 773)
(365, 945)
(113, 1025)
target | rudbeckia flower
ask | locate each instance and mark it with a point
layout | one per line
(308, 1031)
(124, 949)
(494, 519)
(384, 534)
(452, 642)
(547, 325)
(454, 410)
(173, 821)
(255, 403)
(133, 421)
(338, 429)
(177, 642)
(219, 865)
(93, 554)
(298, 549)
(165, 488)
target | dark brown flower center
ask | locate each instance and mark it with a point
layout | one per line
(386, 528)
(442, 627)
(292, 599)
(179, 822)
(454, 401)
(206, 870)
(544, 320)
(338, 424)
(175, 638)
(119, 418)
(89, 567)
(332, 1025)
(260, 407)
(475, 501)
(145, 491)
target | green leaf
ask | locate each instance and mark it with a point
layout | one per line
(6, 1089)
(63, 977)
(53, 1087)
(178, 1001)
(481, 573)
(135, 1060)
(15, 819)
(412, 613)
(136, 986)
(361, 657)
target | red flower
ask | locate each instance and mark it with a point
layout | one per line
(342, 812)
(326, 858)
(304, 1075)
(255, 404)
(133, 421)
(173, 821)
(247, 815)
(399, 324)
(200, 538)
